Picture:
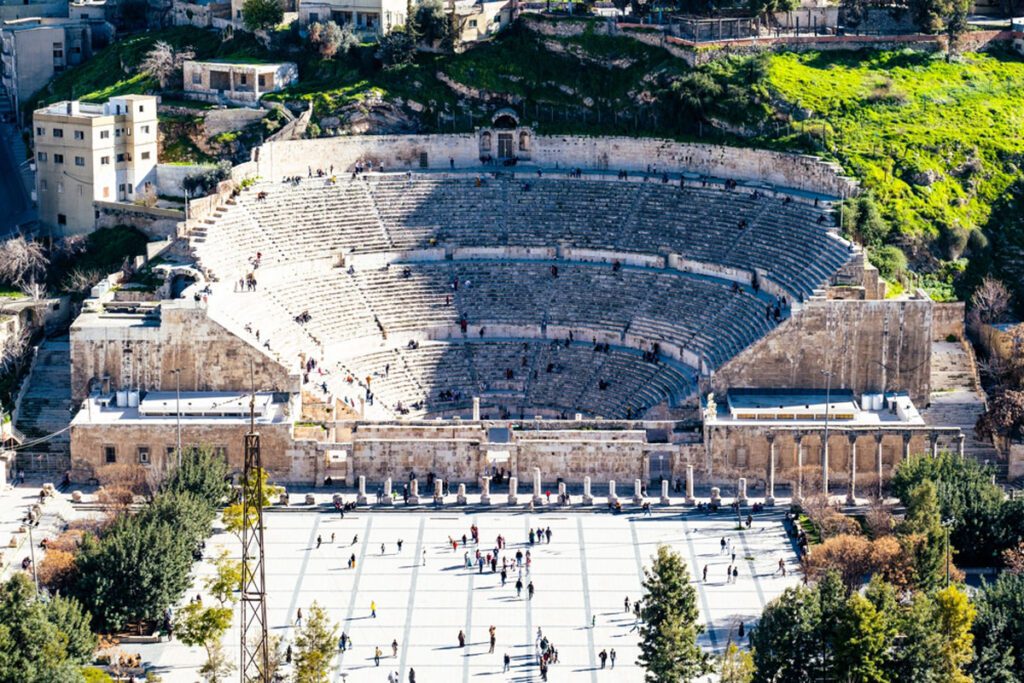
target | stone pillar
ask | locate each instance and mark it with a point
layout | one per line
(361, 496)
(476, 408)
(878, 462)
(362, 407)
(461, 497)
(513, 489)
(690, 500)
(906, 444)
(769, 498)
(638, 497)
(414, 492)
(933, 438)
(612, 498)
(485, 490)
(538, 494)
(438, 491)
(387, 491)
(716, 495)
(741, 491)
(588, 498)
(851, 495)
(563, 496)
(960, 439)
(664, 492)
(798, 492)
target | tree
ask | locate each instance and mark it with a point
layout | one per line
(890, 261)
(856, 559)
(1004, 416)
(315, 644)
(923, 528)
(260, 15)
(164, 62)
(990, 301)
(226, 579)
(331, 39)
(202, 472)
(430, 23)
(396, 48)
(232, 515)
(998, 628)
(23, 264)
(785, 640)
(736, 665)
(863, 640)
(668, 634)
(864, 221)
(41, 642)
(919, 640)
(199, 626)
(954, 617)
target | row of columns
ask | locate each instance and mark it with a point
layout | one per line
(852, 439)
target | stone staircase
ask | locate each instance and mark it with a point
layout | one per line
(956, 400)
(45, 409)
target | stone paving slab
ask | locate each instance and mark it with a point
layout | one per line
(592, 563)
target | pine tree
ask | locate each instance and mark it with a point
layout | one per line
(954, 617)
(668, 636)
(863, 637)
(923, 528)
(314, 647)
(785, 641)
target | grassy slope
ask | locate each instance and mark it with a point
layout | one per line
(892, 114)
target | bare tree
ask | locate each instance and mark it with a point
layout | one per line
(990, 301)
(13, 350)
(164, 62)
(81, 279)
(23, 264)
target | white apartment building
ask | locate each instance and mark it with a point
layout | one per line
(87, 153)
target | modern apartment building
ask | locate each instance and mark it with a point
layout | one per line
(86, 153)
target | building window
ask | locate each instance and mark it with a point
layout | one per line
(79, 161)
(145, 155)
(79, 135)
(104, 161)
(243, 79)
(58, 132)
(141, 108)
(58, 158)
(129, 188)
(40, 131)
(143, 452)
(120, 158)
(109, 454)
(197, 78)
(472, 23)
(60, 187)
(104, 134)
(62, 219)
(106, 192)
(120, 188)
(41, 156)
(145, 129)
(221, 452)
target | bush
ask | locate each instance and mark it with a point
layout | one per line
(890, 261)
(205, 182)
(396, 48)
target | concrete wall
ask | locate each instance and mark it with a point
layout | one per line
(143, 356)
(868, 345)
(294, 157)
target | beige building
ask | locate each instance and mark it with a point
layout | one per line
(236, 83)
(86, 153)
(481, 19)
(368, 18)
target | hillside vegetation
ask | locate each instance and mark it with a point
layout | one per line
(937, 143)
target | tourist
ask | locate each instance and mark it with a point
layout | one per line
(462, 639)
(611, 656)
(394, 647)
(298, 618)
(508, 662)
(494, 638)
(376, 656)
(603, 656)
(373, 609)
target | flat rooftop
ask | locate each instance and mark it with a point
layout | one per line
(808, 408)
(161, 407)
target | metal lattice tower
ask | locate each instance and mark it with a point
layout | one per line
(255, 657)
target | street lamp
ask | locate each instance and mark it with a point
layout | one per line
(947, 524)
(177, 407)
(824, 454)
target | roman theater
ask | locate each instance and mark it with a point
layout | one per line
(464, 305)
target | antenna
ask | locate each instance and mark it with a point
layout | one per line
(255, 666)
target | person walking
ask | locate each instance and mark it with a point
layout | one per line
(705, 576)
(603, 656)
(735, 574)
(319, 540)
(529, 591)
(611, 656)
(462, 639)
(298, 618)
(376, 656)
(394, 647)
(626, 604)
(508, 663)
(519, 588)
(399, 544)
(373, 609)
(381, 548)
(412, 675)
(424, 557)
(343, 642)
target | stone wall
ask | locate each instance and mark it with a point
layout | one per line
(155, 223)
(279, 453)
(868, 345)
(399, 152)
(948, 319)
(143, 356)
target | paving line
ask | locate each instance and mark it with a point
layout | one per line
(417, 563)
(704, 603)
(360, 563)
(469, 620)
(302, 569)
(586, 602)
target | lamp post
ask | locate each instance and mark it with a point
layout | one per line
(177, 408)
(824, 452)
(947, 524)
(32, 550)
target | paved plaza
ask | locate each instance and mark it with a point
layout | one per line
(593, 562)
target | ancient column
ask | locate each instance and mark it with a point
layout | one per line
(907, 436)
(476, 408)
(513, 490)
(538, 495)
(361, 496)
(769, 498)
(387, 491)
(716, 495)
(414, 492)
(960, 438)
(824, 466)
(460, 498)
(664, 492)
(878, 462)
(438, 491)
(851, 496)
(933, 438)
(485, 490)
(690, 500)
(638, 495)
(563, 496)
(612, 498)
(741, 491)
(588, 498)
